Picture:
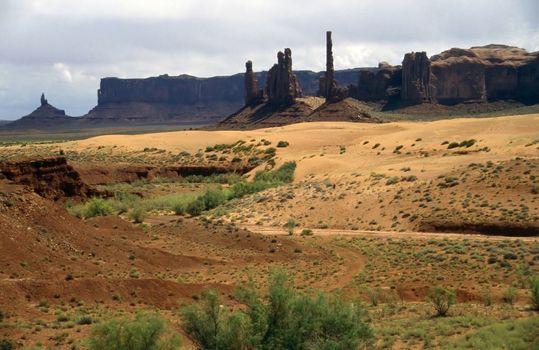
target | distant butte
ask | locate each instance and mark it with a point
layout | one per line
(44, 117)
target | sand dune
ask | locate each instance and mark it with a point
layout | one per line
(318, 146)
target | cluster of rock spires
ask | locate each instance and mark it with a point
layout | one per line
(475, 75)
(282, 85)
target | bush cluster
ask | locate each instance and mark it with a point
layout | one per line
(442, 299)
(284, 320)
(193, 204)
(283, 144)
(145, 332)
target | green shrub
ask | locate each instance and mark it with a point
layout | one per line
(212, 198)
(244, 188)
(6, 345)
(97, 207)
(209, 200)
(145, 332)
(208, 324)
(442, 299)
(195, 208)
(270, 151)
(510, 295)
(76, 210)
(283, 144)
(179, 208)
(467, 143)
(392, 180)
(284, 174)
(409, 178)
(285, 320)
(452, 145)
(534, 289)
(290, 225)
(264, 180)
(374, 295)
(84, 320)
(512, 334)
(306, 232)
(137, 215)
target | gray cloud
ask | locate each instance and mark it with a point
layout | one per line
(64, 47)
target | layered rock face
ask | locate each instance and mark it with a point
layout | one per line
(416, 78)
(282, 86)
(50, 177)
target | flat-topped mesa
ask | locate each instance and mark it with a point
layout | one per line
(417, 78)
(282, 86)
(252, 94)
(327, 85)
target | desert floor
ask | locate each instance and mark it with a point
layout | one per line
(380, 212)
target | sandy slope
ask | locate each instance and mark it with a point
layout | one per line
(344, 170)
(317, 145)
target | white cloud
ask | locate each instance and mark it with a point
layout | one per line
(63, 72)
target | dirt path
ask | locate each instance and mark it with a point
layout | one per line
(353, 263)
(271, 230)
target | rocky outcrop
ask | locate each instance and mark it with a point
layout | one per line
(416, 78)
(50, 177)
(382, 84)
(282, 86)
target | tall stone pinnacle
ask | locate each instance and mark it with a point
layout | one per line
(251, 84)
(330, 69)
(44, 101)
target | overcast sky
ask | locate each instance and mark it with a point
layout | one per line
(63, 47)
